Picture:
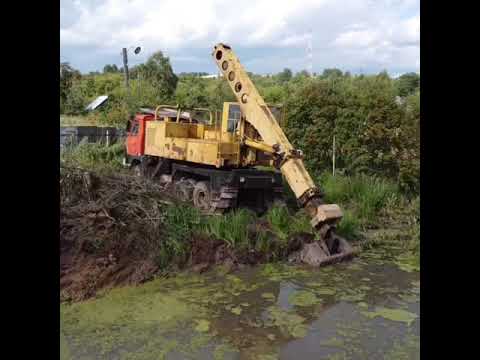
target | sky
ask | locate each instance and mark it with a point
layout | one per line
(360, 36)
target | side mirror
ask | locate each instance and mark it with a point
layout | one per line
(129, 126)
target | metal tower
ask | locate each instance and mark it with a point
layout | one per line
(309, 53)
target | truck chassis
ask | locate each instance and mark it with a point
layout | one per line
(210, 189)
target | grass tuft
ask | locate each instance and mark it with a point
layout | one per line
(365, 195)
(231, 228)
(94, 156)
(349, 226)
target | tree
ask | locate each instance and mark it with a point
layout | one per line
(285, 75)
(407, 84)
(158, 72)
(110, 69)
(191, 92)
(76, 98)
(218, 92)
(303, 73)
(331, 73)
(409, 154)
(67, 76)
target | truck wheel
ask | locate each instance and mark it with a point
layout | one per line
(202, 195)
(183, 191)
(137, 170)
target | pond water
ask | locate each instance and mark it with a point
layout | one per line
(368, 308)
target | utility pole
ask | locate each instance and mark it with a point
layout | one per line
(125, 68)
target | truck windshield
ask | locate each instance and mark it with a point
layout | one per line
(134, 130)
(234, 115)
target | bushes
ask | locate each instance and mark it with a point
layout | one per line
(349, 226)
(374, 133)
(94, 156)
(361, 198)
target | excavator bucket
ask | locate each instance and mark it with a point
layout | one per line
(318, 253)
(331, 248)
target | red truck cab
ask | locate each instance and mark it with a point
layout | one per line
(135, 143)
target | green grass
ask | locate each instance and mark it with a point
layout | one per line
(414, 227)
(370, 202)
(180, 222)
(365, 196)
(349, 226)
(284, 224)
(231, 228)
(93, 156)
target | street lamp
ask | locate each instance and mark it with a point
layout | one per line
(125, 63)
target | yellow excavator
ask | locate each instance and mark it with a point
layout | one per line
(212, 158)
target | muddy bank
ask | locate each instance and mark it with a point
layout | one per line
(118, 230)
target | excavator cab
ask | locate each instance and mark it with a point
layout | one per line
(232, 116)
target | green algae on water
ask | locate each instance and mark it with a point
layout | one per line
(362, 304)
(405, 266)
(64, 348)
(278, 272)
(408, 262)
(289, 323)
(268, 296)
(266, 357)
(320, 288)
(337, 356)
(303, 298)
(392, 314)
(404, 350)
(236, 310)
(354, 266)
(202, 325)
(333, 342)
(410, 298)
(352, 296)
(221, 350)
(325, 291)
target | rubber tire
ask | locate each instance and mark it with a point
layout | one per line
(182, 192)
(202, 196)
(137, 170)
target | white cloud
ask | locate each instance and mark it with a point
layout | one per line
(345, 32)
(357, 38)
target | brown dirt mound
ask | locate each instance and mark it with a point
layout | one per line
(113, 226)
(109, 227)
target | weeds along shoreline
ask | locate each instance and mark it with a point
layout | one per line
(116, 229)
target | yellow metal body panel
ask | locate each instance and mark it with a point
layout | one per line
(196, 143)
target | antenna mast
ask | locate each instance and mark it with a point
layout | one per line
(309, 53)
